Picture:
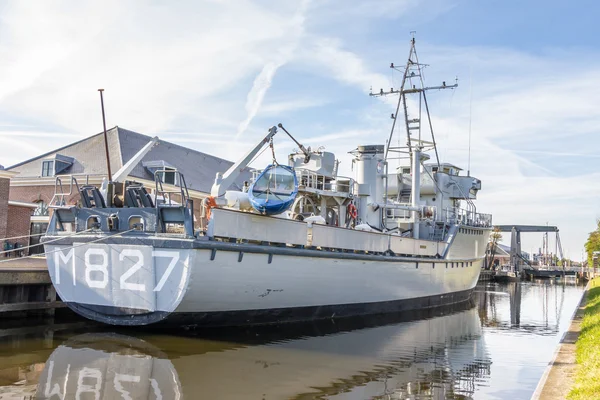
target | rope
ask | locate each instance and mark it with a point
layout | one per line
(66, 237)
(273, 152)
(258, 155)
(34, 245)
(24, 236)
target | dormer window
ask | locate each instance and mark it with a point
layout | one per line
(168, 176)
(56, 165)
(47, 168)
(165, 171)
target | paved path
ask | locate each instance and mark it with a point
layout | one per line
(559, 377)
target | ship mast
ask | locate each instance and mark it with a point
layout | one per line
(412, 83)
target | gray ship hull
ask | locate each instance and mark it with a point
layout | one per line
(140, 280)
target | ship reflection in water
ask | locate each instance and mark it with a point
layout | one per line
(496, 348)
(439, 357)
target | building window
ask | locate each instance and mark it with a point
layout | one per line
(41, 210)
(47, 168)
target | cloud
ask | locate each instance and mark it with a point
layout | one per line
(264, 79)
(177, 60)
(261, 84)
(285, 106)
(528, 126)
(201, 73)
(342, 64)
(532, 136)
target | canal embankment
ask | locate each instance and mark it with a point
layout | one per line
(574, 370)
(26, 288)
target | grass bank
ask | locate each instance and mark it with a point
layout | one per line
(587, 378)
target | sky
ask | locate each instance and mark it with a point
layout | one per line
(214, 75)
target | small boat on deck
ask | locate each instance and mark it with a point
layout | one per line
(274, 190)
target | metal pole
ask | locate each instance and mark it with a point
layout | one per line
(105, 136)
(302, 148)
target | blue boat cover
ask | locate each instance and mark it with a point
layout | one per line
(274, 190)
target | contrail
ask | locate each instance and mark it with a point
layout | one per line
(264, 79)
(262, 83)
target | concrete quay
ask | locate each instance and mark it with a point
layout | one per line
(559, 376)
(485, 275)
(25, 288)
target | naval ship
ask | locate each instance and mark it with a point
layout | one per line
(299, 242)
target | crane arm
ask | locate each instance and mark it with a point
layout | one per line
(121, 175)
(223, 181)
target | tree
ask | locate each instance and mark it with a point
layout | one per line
(495, 238)
(593, 244)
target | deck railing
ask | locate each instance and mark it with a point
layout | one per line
(466, 217)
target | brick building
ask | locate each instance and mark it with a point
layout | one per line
(33, 181)
(15, 216)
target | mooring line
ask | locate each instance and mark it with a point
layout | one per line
(34, 245)
(65, 237)
(23, 236)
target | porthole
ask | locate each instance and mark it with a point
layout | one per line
(93, 222)
(136, 222)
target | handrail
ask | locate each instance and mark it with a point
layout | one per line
(60, 202)
(465, 197)
(183, 190)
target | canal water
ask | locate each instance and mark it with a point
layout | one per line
(495, 348)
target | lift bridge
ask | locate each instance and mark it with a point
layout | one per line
(516, 257)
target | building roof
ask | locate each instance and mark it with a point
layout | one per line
(504, 250)
(88, 157)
